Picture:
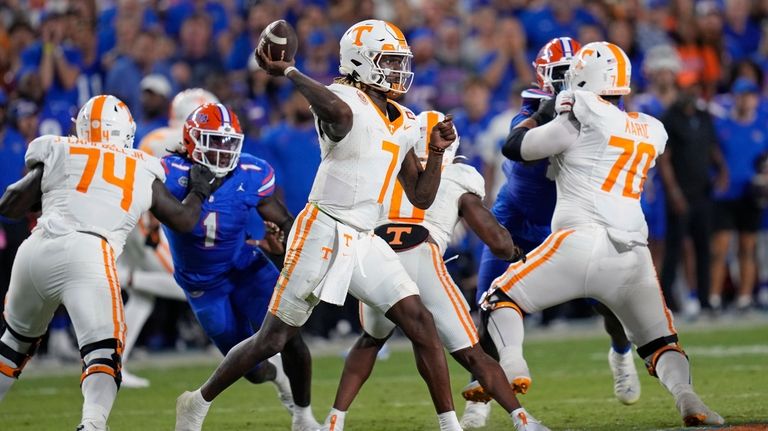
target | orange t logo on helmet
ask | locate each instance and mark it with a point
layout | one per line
(359, 30)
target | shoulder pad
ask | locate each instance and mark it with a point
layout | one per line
(466, 177)
(155, 167)
(39, 149)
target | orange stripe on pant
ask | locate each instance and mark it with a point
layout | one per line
(294, 252)
(108, 259)
(464, 318)
(533, 264)
(667, 313)
(530, 256)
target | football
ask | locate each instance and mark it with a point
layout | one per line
(279, 41)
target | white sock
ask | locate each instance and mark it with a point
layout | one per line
(448, 421)
(302, 413)
(99, 393)
(5, 383)
(137, 311)
(674, 372)
(337, 417)
(199, 400)
(505, 326)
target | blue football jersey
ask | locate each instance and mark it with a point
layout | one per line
(205, 255)
(527, 185)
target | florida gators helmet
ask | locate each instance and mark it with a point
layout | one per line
(213, 138)
(553, 61)
(375, 53)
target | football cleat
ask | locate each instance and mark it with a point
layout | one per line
(90, 426)
(474, 391)
(133, 381)
(190, 414)
(305, 424)
(525, 422)
(694, 412)
(282, 384)
(475, 415)
(626, 384)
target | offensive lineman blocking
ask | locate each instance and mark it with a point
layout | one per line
(601, 155)
(93, 190)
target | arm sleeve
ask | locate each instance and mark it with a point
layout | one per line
(549, 139)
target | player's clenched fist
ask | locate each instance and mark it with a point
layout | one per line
(442, 135)
(202, 181)
(564, 102)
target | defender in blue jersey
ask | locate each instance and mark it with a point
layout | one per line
(524, 206)
(227, 280)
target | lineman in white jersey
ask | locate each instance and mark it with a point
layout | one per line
(93, 191)
(366, 143)
(420, 238)
(601, 155)
(146, 267)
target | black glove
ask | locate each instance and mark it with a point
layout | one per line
(202, 181)
(546, 111)
(517, 254)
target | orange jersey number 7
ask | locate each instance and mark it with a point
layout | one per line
(107, 172)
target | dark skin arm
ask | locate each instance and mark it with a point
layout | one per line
(334, 114)
(183, 216)
(421, 184)
(22, 195)
(272, 210)
(485, 225)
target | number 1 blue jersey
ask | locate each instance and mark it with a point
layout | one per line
(206, 255)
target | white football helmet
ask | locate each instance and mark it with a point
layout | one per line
(365, 44)
(427, 121)
(187, 101)
(106, 118)
(602, 68)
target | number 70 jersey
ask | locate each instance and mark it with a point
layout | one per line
(95, 187)
(601, 175)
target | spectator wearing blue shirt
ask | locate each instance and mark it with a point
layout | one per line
(129, 14)
(554, 19)
(155, 95)
(507, 65)
(177, 14)
(426, 70)
(58, 63)
(197, 57)
(124, 79)
(259, 16)
(295, 152)
(742, 34)
(743, 140)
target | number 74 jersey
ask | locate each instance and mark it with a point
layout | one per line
(601, 175)
(94, 187)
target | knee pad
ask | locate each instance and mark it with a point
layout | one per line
(103, 356)
(495, 300)
(652, 351)
(11, 353)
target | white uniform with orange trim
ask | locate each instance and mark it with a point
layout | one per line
(598, 248)
(424, 262)
(93, 195)
(332, 247)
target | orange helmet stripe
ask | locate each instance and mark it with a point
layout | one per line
(621, 77)
(95, 118)
(398, 33)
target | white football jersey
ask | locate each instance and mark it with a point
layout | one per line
(94, 187)
(443, 215)
(161, 142)
(356, 173)
(600, 176)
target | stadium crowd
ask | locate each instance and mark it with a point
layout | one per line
(697, 65)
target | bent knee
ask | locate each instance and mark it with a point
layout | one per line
(652, 351)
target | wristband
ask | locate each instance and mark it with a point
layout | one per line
(288, 70)
(436, 150)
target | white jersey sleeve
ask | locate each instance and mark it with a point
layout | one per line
(550, 139)
(39, 150)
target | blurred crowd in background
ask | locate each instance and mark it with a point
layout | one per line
(699, 65)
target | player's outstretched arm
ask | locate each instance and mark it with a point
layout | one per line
(183, 216)
(421, 184)
(273, 210)
(334, 114)
(22, 195)
(485, 225)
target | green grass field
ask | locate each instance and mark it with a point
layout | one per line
(572, 390)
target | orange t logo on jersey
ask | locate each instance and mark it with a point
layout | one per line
(326, 252)
(398, 231)
(347, 239)
(359, 33)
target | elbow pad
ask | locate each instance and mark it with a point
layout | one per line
(513, 144)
